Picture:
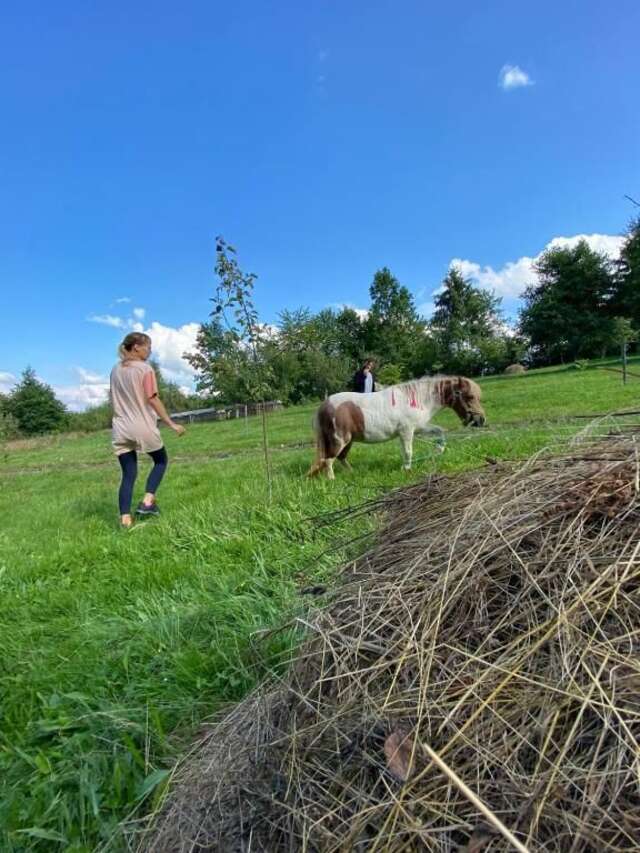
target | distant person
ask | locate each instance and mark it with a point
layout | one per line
(364, 382)
(136, 408)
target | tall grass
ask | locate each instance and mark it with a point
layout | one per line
(115, 646)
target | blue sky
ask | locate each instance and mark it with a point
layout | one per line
(323, 139)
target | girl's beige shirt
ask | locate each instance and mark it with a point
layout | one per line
(135, 423)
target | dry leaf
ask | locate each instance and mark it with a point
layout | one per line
(398, 749)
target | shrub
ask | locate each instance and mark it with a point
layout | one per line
(9, 427)
(91, 420)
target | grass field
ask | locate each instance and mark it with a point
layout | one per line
(114, 646)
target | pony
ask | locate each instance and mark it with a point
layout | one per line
(396, 411)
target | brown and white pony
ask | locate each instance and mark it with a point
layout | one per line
(396, 411)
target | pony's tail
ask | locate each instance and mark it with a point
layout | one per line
(326, 429)
(324, 425)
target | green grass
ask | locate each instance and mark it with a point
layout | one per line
(115, 646)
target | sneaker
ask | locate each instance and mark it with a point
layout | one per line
(147, 509)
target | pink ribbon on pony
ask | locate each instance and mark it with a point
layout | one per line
(413, 402)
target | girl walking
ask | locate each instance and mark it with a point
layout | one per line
(136, 409)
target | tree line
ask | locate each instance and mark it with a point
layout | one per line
(582, 305)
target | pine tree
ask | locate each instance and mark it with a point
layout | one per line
(464, 312)
(393, 327)
(466, 326)
(35, 406)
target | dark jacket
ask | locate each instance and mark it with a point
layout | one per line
(358, 381)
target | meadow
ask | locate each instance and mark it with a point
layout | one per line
(116, 646)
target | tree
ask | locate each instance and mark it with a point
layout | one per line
(219, 362)
(567, 314)
(623, 331)
(626, 299)
(306, 355)
(352, 331)
(389, 374)
(35, 407)
(236, 352)
(426, 355)
(467, 328)
(393, 328)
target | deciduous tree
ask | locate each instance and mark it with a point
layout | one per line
(568, 313)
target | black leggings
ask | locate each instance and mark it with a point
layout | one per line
(129, 464)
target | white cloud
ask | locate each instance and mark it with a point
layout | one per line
(268, 331)
(362, 313)
(607, 244)
(7, 381)
(77, 398)
(511, 279)
(90, 378)
(513, 77)
(133, 323)
(107, 320)
(123, 299)
(92, 390)
(169, 344)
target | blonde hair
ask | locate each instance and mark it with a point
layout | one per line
(130, 341)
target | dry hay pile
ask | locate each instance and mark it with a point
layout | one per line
(475, 675)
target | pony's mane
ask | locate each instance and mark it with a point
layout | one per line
(430, 383)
